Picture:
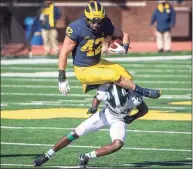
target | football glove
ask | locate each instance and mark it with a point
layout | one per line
(64, 87)
(92, 110)
(128, 119)
(119, 50)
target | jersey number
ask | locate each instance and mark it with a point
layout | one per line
(69, 31)
(93, 47)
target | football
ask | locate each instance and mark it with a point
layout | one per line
(112, 45)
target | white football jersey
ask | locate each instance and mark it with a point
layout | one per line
(132, 100)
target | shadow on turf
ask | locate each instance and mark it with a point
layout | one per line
(20, 155)
(148, 164)
(163, 163)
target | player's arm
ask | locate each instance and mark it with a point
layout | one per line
(142, 110)
(95, 104)
(67, 48)
(119, 33)
(68, 45)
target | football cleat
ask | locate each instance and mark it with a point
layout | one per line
(87, 88)
(40, 160)
(154, 94)
(83, 161)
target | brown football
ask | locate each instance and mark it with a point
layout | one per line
(112, 45)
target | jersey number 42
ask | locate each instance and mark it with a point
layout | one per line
(93, 47)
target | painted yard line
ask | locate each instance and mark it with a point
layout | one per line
(174, 66)
(29, 165)
(137, 81)
(119, 59)
(29, 70)
(135, 75)
(188, 96)
(71, 73)
(82, 103)
(47, 94)
(37, 86)
(132, 131)
(77, 146)
(75, 87)
(161, 76)
(71, 79)
(170, 108)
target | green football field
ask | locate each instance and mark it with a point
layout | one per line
(34, 115)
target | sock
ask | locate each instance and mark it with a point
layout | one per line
(50, 153)
(91, 155)
(139, 89)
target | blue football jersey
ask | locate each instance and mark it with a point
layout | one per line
(88, 49)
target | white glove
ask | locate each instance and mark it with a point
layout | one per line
(119, 50)
(64, 87)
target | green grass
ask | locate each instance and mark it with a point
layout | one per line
(20, 93)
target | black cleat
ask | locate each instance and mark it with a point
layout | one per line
(154, 94)
(83, 161)
(41, 160)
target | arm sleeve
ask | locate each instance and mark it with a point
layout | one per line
(109, 27)
(72, 33)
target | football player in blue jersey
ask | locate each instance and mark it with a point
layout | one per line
(84, 38)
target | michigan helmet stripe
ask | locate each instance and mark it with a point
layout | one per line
(94, 10)
(96, 6)
(90, 8)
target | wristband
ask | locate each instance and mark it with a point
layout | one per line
(62, 76)
(126, 47)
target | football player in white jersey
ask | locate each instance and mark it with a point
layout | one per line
(115, 114)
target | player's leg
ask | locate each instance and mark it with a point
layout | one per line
(63, 142)
(117, 133)
(126, 81)
(45, 37)
(54, 40)
(91, 124)
(167, 41)
(108, 72)
(159, 41)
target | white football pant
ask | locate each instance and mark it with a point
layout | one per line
(101, 119)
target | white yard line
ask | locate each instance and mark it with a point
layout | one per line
(120, 59)
(188, 96)
(60, 128)
(76, 87)
(135, 65)
(77, 146)
(71, 74)
(47, 94)
(29, 165)
(81, 103)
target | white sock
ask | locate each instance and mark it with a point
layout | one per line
(91, 155)
(50, 153)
